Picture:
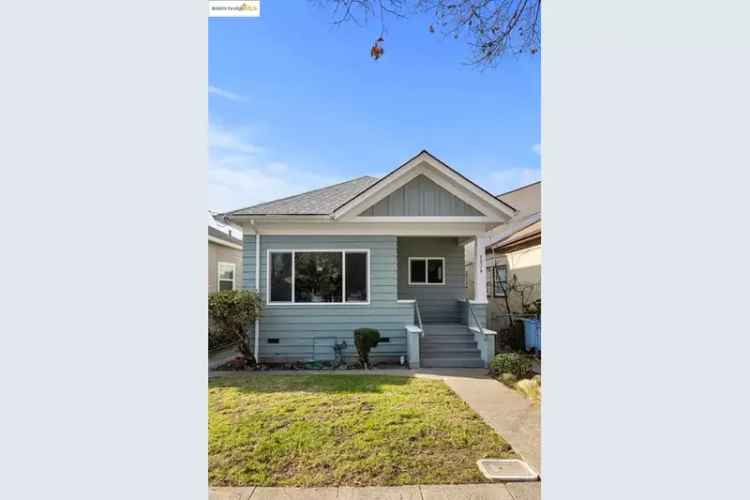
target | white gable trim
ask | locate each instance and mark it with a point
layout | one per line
(390, 228)
(425, 164)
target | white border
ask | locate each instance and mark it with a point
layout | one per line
(426, 268)
(218, 275)
(343, 252)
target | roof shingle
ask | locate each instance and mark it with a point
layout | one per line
(321, 201)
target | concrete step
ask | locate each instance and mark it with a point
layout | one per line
(458, 344)
(451, 353)
(443, 326)
(448, 337)
(463, 354)
(452, 363)
(437, 333)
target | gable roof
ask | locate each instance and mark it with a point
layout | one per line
(438, 160)
(321, 201)
(339, 198)
(525, 199)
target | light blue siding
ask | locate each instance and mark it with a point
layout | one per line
(421, 197)
(437, 303)
(248, 261)
(302, 329)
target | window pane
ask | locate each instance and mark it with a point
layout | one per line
(501, 274)
(317, 277)
(356, 277)
(501, 280)
(489, 276)
(281, 277)
(226, 272)
(418, 271)
(435, 271)
(225, 285)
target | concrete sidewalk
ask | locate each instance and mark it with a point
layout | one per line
(497, 491)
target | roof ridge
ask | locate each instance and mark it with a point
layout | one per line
(257, 205)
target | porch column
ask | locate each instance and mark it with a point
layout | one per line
(480, 274)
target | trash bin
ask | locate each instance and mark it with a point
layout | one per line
(532, 334)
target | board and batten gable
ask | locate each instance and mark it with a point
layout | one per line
(304, 332)
(421, 197)
(437, 303)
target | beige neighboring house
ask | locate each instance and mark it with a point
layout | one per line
(224, 256)
(513, 249)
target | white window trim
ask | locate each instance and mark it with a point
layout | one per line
(425, 259)
(219, 279)
(343, 252)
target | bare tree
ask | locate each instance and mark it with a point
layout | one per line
(493, 28)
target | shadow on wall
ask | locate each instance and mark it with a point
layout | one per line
(496, 309)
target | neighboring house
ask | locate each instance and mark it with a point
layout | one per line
(382, 253)
(513, 249)
(224, 256)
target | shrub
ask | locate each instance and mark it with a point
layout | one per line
(231, 312)
(519, 365)
(218, 339)
(530, 388)
(365, 339)
(508, 379)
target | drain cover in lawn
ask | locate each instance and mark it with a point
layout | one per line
(506, 470)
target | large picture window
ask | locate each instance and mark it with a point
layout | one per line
(426, 271)
(318, 276)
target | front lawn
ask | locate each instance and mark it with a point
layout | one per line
(353, 430)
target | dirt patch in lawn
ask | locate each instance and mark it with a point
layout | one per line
(343, 430)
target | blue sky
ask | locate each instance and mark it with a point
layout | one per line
(296, 103)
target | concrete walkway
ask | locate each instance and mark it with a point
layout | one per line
(512, 416)
(509, 491)
(508, 412)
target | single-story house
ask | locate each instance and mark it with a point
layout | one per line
(224, 256)
(514, 249)
(384, 253)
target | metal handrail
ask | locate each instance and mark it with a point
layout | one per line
(474, 315)
(419, 317)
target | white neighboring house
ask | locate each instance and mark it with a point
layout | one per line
(224, 255)
(513, 249)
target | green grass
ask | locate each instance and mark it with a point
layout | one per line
(332, 430)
